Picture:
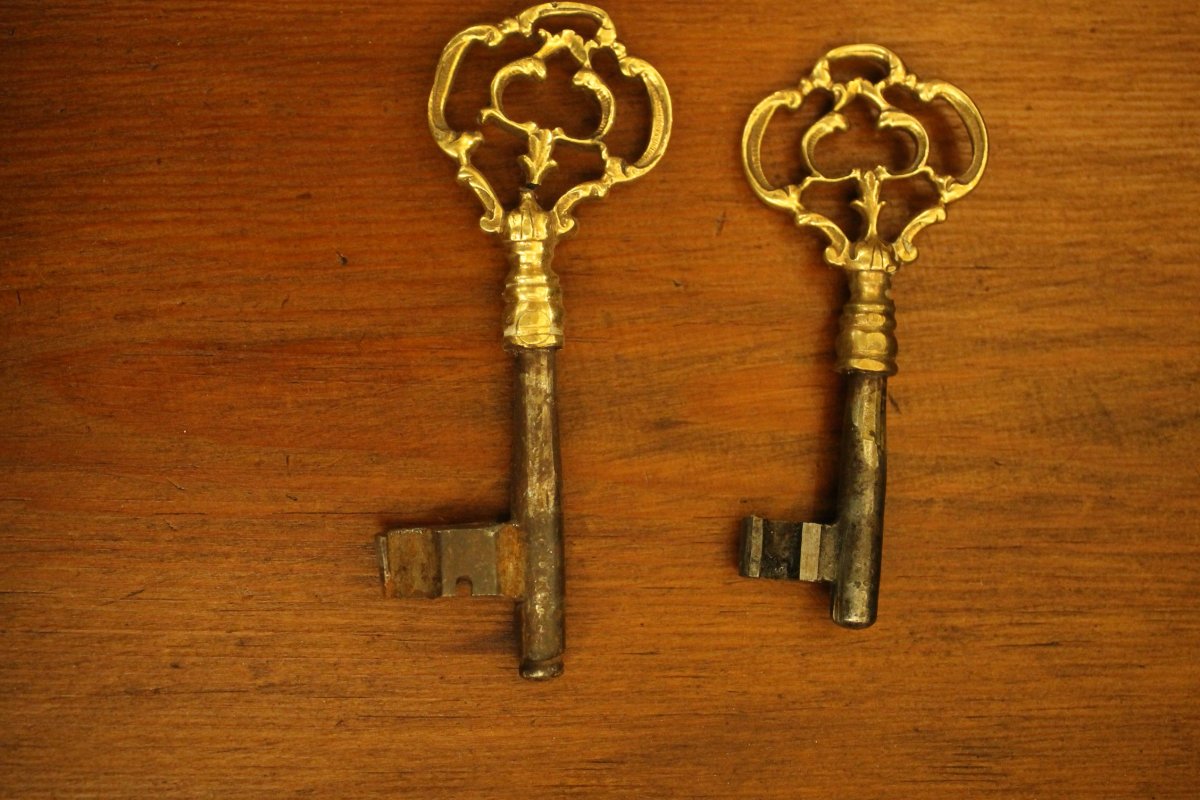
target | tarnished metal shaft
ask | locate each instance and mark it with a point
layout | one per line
(537, 511)
(862, 476)
(845, 553)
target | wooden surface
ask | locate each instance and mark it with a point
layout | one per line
(247, 323)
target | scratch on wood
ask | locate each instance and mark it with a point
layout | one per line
(129, 596)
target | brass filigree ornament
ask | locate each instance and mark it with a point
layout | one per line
(533, 316)
(523, 559)
(867, 342)
(847, 553)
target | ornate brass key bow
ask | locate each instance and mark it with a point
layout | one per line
(523, 559)
(847, 552)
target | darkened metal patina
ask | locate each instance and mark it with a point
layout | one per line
(847, 552)
(536, 507)
(522, 559)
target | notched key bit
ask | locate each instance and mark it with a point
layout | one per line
(847, 552)
(481, 561)
(523, 559)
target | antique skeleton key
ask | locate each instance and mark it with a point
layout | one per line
(847, 552)
(523, 558)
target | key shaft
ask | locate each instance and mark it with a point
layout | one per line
(861, 488)
(537, 510)
(522, 559)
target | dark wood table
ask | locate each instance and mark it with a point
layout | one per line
(248, 322)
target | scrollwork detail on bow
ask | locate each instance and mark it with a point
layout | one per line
(871, 251)
(539, 158)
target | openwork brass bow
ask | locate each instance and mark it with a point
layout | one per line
(847, 552)
(523, 559)
(867, 342)
(534, 314)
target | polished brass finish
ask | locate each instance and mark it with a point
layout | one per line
(533, 314)
(866, 342)
(847, 553)
(523, 559)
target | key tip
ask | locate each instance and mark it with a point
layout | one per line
(542, 670)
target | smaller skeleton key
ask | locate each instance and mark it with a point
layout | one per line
(847, 552)
(523, 559)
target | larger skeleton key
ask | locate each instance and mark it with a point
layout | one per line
(847, 552)
(523, 559)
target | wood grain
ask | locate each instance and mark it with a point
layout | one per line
(247, 322)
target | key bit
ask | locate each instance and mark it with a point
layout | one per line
(847, 552)
(523, 558)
